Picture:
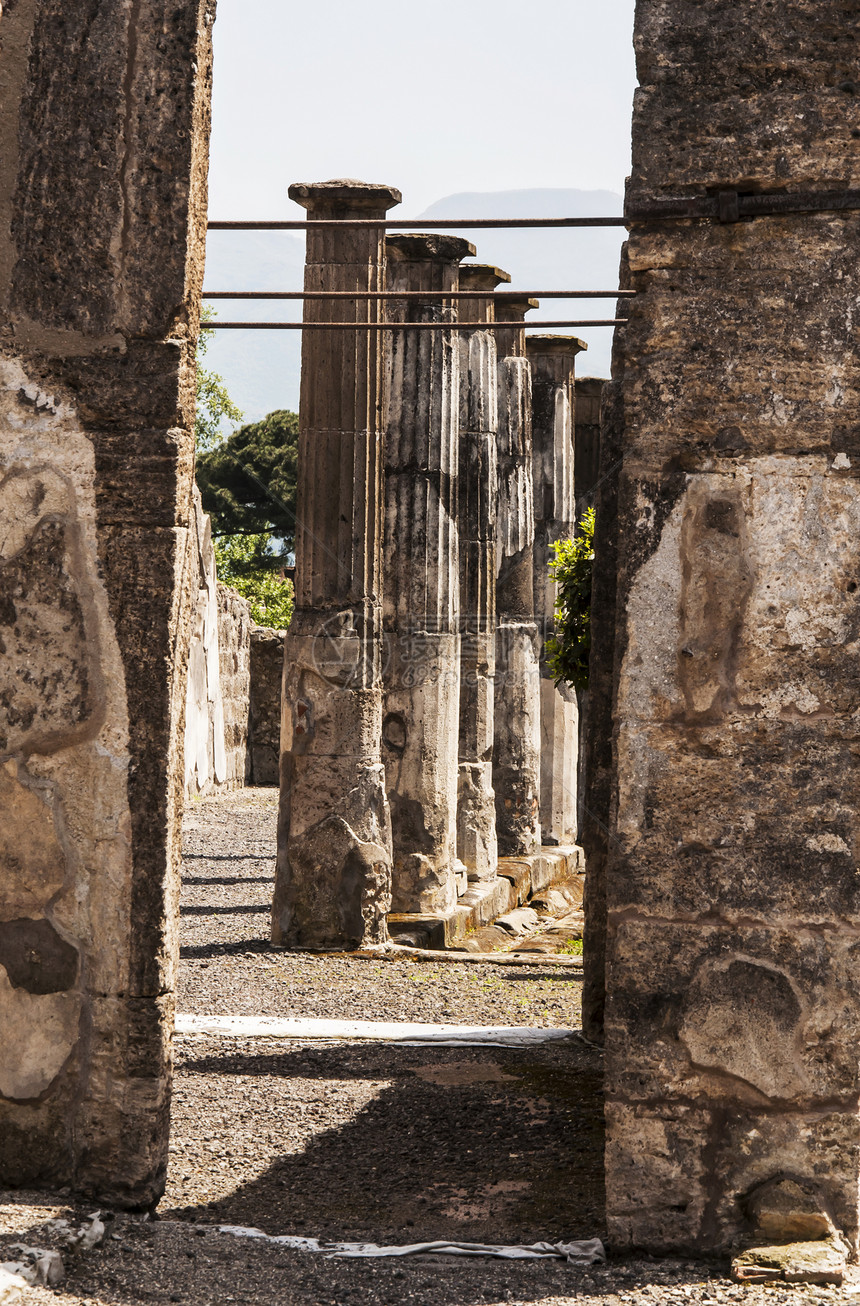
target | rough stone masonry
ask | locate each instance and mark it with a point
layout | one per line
(103, 159)
(733, 999)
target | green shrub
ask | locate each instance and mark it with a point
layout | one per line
(568, 646)
(238, 563)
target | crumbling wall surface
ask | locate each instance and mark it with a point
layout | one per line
(597, 762)
(103, 141)
(234, 654)
(733, 887)
(264, 713)
(589, 396)
(205, 757)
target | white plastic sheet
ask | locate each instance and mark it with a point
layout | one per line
(587, 1251)
(412, 1034)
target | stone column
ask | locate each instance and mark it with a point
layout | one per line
(333, 883)
(516, 749)
(421, 603)
(477, 846)
(102, 235)
(552, 360)
(586, 440)
(597, 765)
(733, 1011)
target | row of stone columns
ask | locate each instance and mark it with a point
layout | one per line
(415, 712)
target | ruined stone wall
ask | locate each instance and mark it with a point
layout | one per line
(234, 656)
(733, 892)
(586, 464)
(103, 141)
(264, 715)
(205, 758)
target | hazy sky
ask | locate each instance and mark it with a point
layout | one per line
(431, 97)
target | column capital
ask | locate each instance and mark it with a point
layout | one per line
(428, 247)
(514, 310)
(344, 198)
(482, 276)
(557, 345)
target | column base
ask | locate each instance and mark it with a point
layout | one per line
(559, 731)
(477, 845)
(517, 881)
(333, 878)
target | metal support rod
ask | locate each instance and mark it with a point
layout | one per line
(418, 224)
(402, 326)
(727, 205)
(420, 295)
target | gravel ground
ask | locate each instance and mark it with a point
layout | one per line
(362, 1141)
(228, 965)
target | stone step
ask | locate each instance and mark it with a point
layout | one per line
(550, 880)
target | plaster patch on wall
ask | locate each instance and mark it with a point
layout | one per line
(38, 1033)
(32, 860)
(743, 1018)
(65, 706)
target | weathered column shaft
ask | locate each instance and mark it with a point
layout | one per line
(733, 1011)
(516, 748)
(102, 233)
(421, 603)
(477, 845)
(552, 361)
(597, 761)
(333, 885)
(586, 441)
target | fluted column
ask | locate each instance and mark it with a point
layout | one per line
(476, 810)
(516, 750)
(333, 885)
(552, 360)
(421, 603)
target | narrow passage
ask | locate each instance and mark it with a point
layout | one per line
(368, 1140)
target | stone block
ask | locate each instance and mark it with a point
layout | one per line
(797, 1262)
(678, 1176)
(794, 124)
(417, 930)
(747, 847)
(519, 872)
(733, 1014)
(264, 713)
(656, 1177)
(488, 900)
(553, 864)
(90, 230)
(795, 414)
(785, 1210)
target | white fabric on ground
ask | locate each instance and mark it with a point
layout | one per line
(411, 1033)
(588, 1251)
(12, 1287)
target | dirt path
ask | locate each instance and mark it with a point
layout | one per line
(361, 1141)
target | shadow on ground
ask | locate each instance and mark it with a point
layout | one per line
(390, 1143)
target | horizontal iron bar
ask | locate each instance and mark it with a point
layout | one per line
(417, 224)
(418, 294)
(726, 206)
(730, 205)
(401, 326)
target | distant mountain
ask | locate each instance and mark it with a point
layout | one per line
(262, 368)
